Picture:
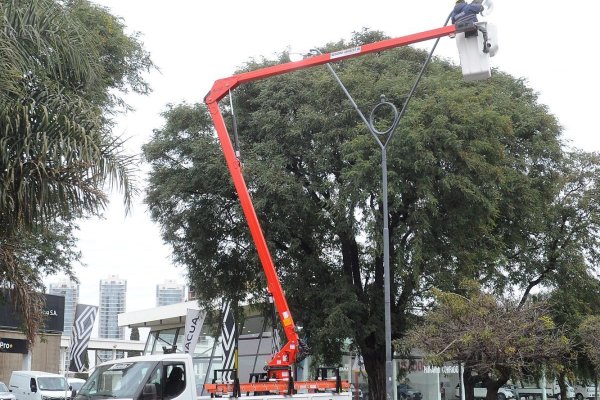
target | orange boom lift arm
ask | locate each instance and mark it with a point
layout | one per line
(289, 354)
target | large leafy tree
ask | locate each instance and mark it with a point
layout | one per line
(574, 302)
(63, 67)
(589, 331)
(562, 245)
(559, 252)
(470, 166)
(494, 339)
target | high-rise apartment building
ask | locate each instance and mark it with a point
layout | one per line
(113, 292)
(169, 292)
(70, 291)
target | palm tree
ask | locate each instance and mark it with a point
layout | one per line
(57, 155)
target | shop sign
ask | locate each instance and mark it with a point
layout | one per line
(9, 345)
(53, 311)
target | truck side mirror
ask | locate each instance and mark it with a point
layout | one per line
(33, 386)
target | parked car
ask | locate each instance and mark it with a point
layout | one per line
(480, 392)
(406, 392)
(5, 394)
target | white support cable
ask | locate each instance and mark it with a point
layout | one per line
(236, 140)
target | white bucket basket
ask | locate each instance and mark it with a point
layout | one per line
(474, 61)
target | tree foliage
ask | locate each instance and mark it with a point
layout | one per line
(494, 340)
(134, 335)
(589, 331)
(562, 244)
(63, 65)
(470, 169)
(574, 300)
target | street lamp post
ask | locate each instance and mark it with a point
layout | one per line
(383, 139)
(386, 235)
(386, 135)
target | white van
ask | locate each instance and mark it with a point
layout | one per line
(37, 385)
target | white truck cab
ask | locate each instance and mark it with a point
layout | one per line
(38, 385)
(142, 378)
(163, 377)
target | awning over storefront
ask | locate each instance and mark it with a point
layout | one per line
(173, 314)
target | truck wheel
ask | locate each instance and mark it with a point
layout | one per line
(579, 396)
(501, 396)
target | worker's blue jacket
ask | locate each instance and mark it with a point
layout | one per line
(464, 12)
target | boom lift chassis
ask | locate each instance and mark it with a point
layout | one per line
(278, 378)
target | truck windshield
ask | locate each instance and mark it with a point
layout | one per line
(121, 380)
(52, 383)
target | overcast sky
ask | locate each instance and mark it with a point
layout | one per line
(550, 44)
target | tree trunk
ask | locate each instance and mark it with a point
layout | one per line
(375, 368)
(562, 385)
(492, 385)
(469, 379)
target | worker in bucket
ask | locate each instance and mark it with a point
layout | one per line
(466, 13)
(464, 16)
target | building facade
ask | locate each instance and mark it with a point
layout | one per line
(113, 295)
(169, 292)
(43, 355)
(70, 291)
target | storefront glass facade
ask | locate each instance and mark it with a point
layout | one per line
(254, 349)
